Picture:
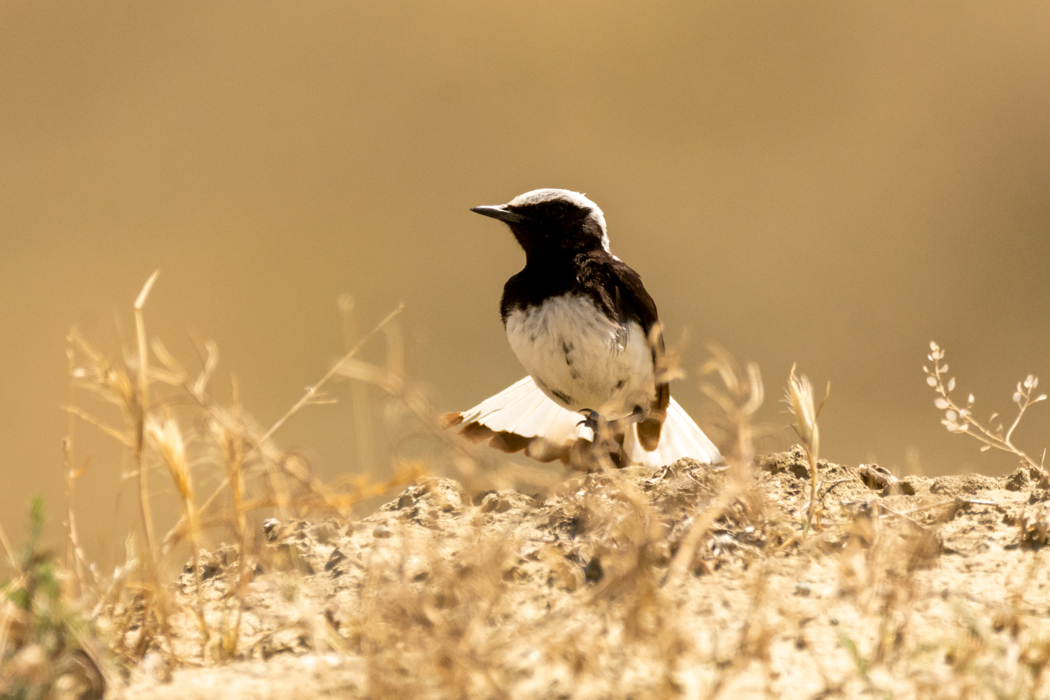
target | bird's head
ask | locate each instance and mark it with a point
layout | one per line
(550, 221)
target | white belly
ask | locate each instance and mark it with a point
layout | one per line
(582, 359)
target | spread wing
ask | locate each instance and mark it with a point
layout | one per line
(522, 418)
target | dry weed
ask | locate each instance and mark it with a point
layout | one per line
(152, 389)
(686, 581)
(800, 399)
(961, 418)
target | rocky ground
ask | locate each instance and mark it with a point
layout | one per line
(912, 588)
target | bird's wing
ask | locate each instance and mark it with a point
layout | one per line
(628, 296)
(524, 409)
(680, 437)
(523, 418)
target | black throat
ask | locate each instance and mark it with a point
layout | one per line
(594, 275)
(539, 280)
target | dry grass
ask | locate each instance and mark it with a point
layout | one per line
(961, 419)
(156, 396)
(806, 413)
(778, 576)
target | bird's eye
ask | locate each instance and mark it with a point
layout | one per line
(556, 210)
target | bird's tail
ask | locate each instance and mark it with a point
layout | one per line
(523, 418)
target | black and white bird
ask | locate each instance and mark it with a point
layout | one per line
(586, 330)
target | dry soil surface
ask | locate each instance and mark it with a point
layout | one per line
(919, 588)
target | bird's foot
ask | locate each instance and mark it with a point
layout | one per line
(592, 420)
(605, 446)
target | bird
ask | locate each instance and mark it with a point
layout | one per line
(585, 329)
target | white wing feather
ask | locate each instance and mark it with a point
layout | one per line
(523, 409)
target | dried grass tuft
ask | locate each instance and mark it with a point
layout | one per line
(960, 418)
(509, 581)
(806, 412)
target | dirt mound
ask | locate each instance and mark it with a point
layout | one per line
(912, 588)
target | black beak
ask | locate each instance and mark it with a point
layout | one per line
(499, 212)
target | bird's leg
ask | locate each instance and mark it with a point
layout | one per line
(620, 426)
(637, 416)
(598, 426)
(607, 444)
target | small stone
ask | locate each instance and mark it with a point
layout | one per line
(877, 478)
(209, 568)
(493, 503)
(593, 573)
(271, 529)
(513, 573)
(336, 558)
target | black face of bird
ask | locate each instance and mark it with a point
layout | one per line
(551, 221)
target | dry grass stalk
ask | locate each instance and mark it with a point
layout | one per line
(114, 385)
(256, 473)
(407, 400)
(363, 429)
(740, 397)
(262, 443)
(442, 630)
(167, 440)
(8, 551)
(75, 559)
(313, 393)
(139, 409)
(961, 419)
(754, 640)
(233, 453)
(800, 398)
(430, 607)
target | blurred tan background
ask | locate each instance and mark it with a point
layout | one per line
(829, 183)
